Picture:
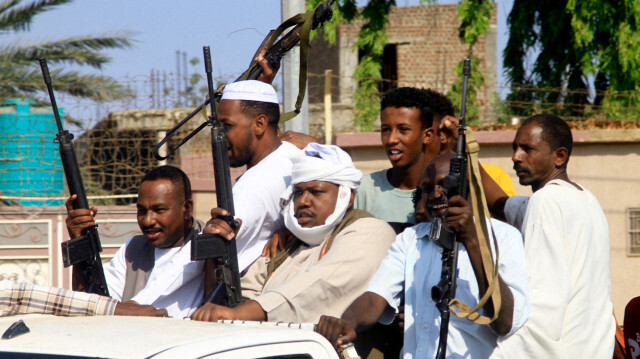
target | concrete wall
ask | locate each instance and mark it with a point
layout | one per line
(604, 161)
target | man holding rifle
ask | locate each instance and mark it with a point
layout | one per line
(413, 265)
(152, 270)
(334, 254)
(250, 111)
(155, 268)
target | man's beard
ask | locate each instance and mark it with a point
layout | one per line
(242, 151)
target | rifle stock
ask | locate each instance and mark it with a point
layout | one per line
(275, 53)
(82, 252)
(456, 183)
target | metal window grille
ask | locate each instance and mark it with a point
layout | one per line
(633, 214)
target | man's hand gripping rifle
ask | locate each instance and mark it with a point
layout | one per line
(275, 52)
(205, 246)
(227, 291)
(82, 252)
(456, 183)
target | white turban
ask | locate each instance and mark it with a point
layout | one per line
(327, 163)
(250, 90)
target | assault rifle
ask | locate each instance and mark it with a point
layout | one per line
(82, 252)
(273, 55)
(456, 183)
(227, 289)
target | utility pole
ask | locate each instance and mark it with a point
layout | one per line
(291, 75)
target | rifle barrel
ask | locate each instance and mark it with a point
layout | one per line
(47, 81)
(208, 69)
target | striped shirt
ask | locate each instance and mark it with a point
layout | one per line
(26, 298)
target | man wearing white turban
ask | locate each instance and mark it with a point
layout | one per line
(336, 252)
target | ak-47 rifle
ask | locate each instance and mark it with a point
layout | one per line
(456, 183)
(205, 246)
(82, 252)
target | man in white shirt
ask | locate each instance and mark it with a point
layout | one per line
(250, 111)
(414, 265)
(154, 268)
(566, 241)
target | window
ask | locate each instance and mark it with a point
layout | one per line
(633, 214)
(389, 69)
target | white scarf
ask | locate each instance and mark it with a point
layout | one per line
(327, 163)
(315, 235)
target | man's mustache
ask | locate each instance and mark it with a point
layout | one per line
(520, 168)
(151, 228)
(303, 213)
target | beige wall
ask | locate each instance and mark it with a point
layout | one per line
(609, 170)
(203, 202)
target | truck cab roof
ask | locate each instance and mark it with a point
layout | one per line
(146, 337)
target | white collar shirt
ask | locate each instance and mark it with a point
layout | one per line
(175, 283)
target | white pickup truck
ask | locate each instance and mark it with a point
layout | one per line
(143, 337)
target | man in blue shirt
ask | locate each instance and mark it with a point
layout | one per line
(413, 265)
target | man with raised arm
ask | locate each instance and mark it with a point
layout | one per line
(250, 111)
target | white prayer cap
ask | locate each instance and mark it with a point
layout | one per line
(250, 90)
(325, 163)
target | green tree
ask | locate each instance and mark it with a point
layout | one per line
(20, 75)
(474, 18)
(370, 44)
(574, 46)
(372, 38)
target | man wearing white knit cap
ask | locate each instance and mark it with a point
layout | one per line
(336, 251)
(250, 111)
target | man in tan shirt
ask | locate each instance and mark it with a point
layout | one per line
(336, 251)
